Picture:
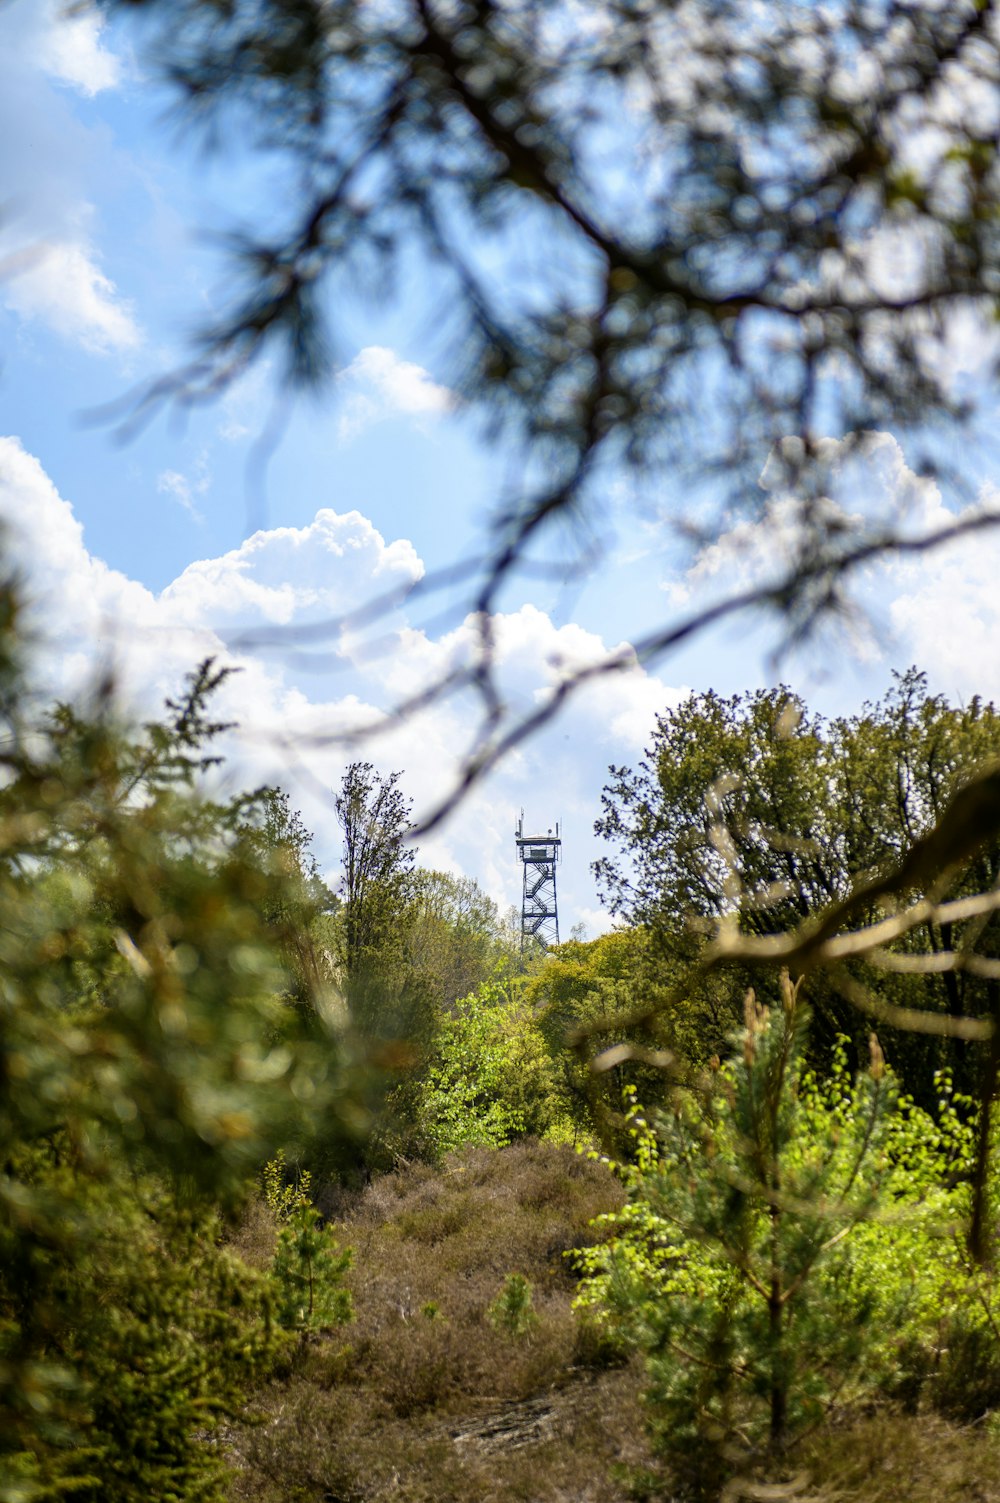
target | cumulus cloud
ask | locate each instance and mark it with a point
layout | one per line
(61, 283)
(378, 385)
(943, 610)
(939, 610)
(55, 273)
(70, 46)
(287, 575)
(86, 613)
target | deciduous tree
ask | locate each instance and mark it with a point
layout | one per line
(750, 812)
(376, 890)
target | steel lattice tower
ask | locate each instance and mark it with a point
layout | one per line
(539, 854)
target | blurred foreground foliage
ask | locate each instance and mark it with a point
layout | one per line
(150, 1062)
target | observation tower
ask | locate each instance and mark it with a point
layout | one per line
(539, 855)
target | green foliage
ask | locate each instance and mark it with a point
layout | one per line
(377, 895)
(308, 1266)
(490, 1079)
(584, 997)
(283, 1196)
(148, 1066)
(731, 1264)
(849, 1200)
(513, 1310)
(752, 808)
(154, 1335)
(298, 908)
(457, 936)
(307, 1272)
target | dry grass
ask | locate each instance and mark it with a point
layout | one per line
(889, 1457)
(420, 1398)
(254, 1238)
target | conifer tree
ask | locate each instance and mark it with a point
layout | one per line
(148, 1066)
(743, 1194)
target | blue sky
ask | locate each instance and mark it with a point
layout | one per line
(159, 551)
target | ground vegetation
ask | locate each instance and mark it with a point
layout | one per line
(732, 1258)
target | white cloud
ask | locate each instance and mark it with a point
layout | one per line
(868, 483)
(51, 163)
(939, 610)
(86, 614)
(378, 384)
(63, 285)
(173, 483)
(595, 921)
(287, 575)
(70, 48)
(943, 610)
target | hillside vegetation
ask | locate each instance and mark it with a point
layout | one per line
(334, 1192)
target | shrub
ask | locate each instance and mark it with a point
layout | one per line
(308, 1271)
(844, 1200)
(739, 1195)
(284, 1196)
(148, 1066)
(490, 1080)
(162, 1335)
(513, 1310)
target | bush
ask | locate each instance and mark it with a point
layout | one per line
(788, 1241)
(308, 1271)
(148, 1066)
(162, 1335)
(513, 1310)
(738, 1197)
(490, 1080)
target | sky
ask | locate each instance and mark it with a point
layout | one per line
(186, 541)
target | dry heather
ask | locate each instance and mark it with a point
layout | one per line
(421, 1400)
(420, 1397)
(889, 1457)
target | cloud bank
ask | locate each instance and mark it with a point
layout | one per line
(88, 616)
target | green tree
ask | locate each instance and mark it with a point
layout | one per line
(751, 813)
(148, 1066)
(391, 1001)
(457, 936)
(583, 998)
(376, 892)
(489, 1078)
(731, 1272)
(298, 907)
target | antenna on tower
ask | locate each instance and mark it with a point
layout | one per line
(539, 855)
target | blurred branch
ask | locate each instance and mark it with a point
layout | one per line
(498, 732)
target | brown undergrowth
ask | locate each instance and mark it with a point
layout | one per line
(422, 1397)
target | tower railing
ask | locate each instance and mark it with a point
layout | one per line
(539, 855)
